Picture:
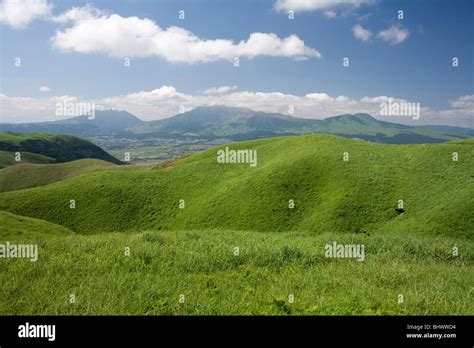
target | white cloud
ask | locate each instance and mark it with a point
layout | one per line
(361, 33)
(394, 35)
(77, 14)
(317, 5)
(93, 31)
(219, 90)
(29, 109)
(90, 30)
(320, 97)
(330, 13)
(19, 13)
(464, 102)
(44, 89)
(166, 101)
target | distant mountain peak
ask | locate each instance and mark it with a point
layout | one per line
(222, 107)
(106, 120)
(222, 110)
(352, 116)
(364, 116)
(116, 114)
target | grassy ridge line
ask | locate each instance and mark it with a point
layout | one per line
(469, 141)
(31, 175)
(8, 159)
(331, 195)
(24, 176)
(202, 266)
(21, 228)
(62, 148)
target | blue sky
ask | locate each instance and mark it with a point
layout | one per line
(417, 69)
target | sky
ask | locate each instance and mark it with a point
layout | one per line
(157, 58)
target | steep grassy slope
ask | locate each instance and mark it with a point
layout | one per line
(31, 175)
(331, 195)
(8, 158)
(62, 148)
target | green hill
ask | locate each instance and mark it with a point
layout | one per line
(62, 148)
(15, 228)
(331, 195)
(191, 252)
(8, 158)
(31, 175)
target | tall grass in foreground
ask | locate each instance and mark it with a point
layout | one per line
(203, 266)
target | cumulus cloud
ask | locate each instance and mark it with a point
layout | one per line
(219, 90)
(77, 14)
(90, 30)
(394, 35)
(318, 5)
(44, 89)
(93, 31)
(166, 101)
(19, 13)
(361, 33)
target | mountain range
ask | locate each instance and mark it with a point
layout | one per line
(236, 124)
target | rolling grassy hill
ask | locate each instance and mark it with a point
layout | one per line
(191, 252)
(8, 158)
(31, 175)
(20, 228)
(62, 148)
(331, 195)
(24, 176)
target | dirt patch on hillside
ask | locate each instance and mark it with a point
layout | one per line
(169, 164)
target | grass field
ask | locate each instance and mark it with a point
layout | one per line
(191, 252)
(202, 266)
(32, 175)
